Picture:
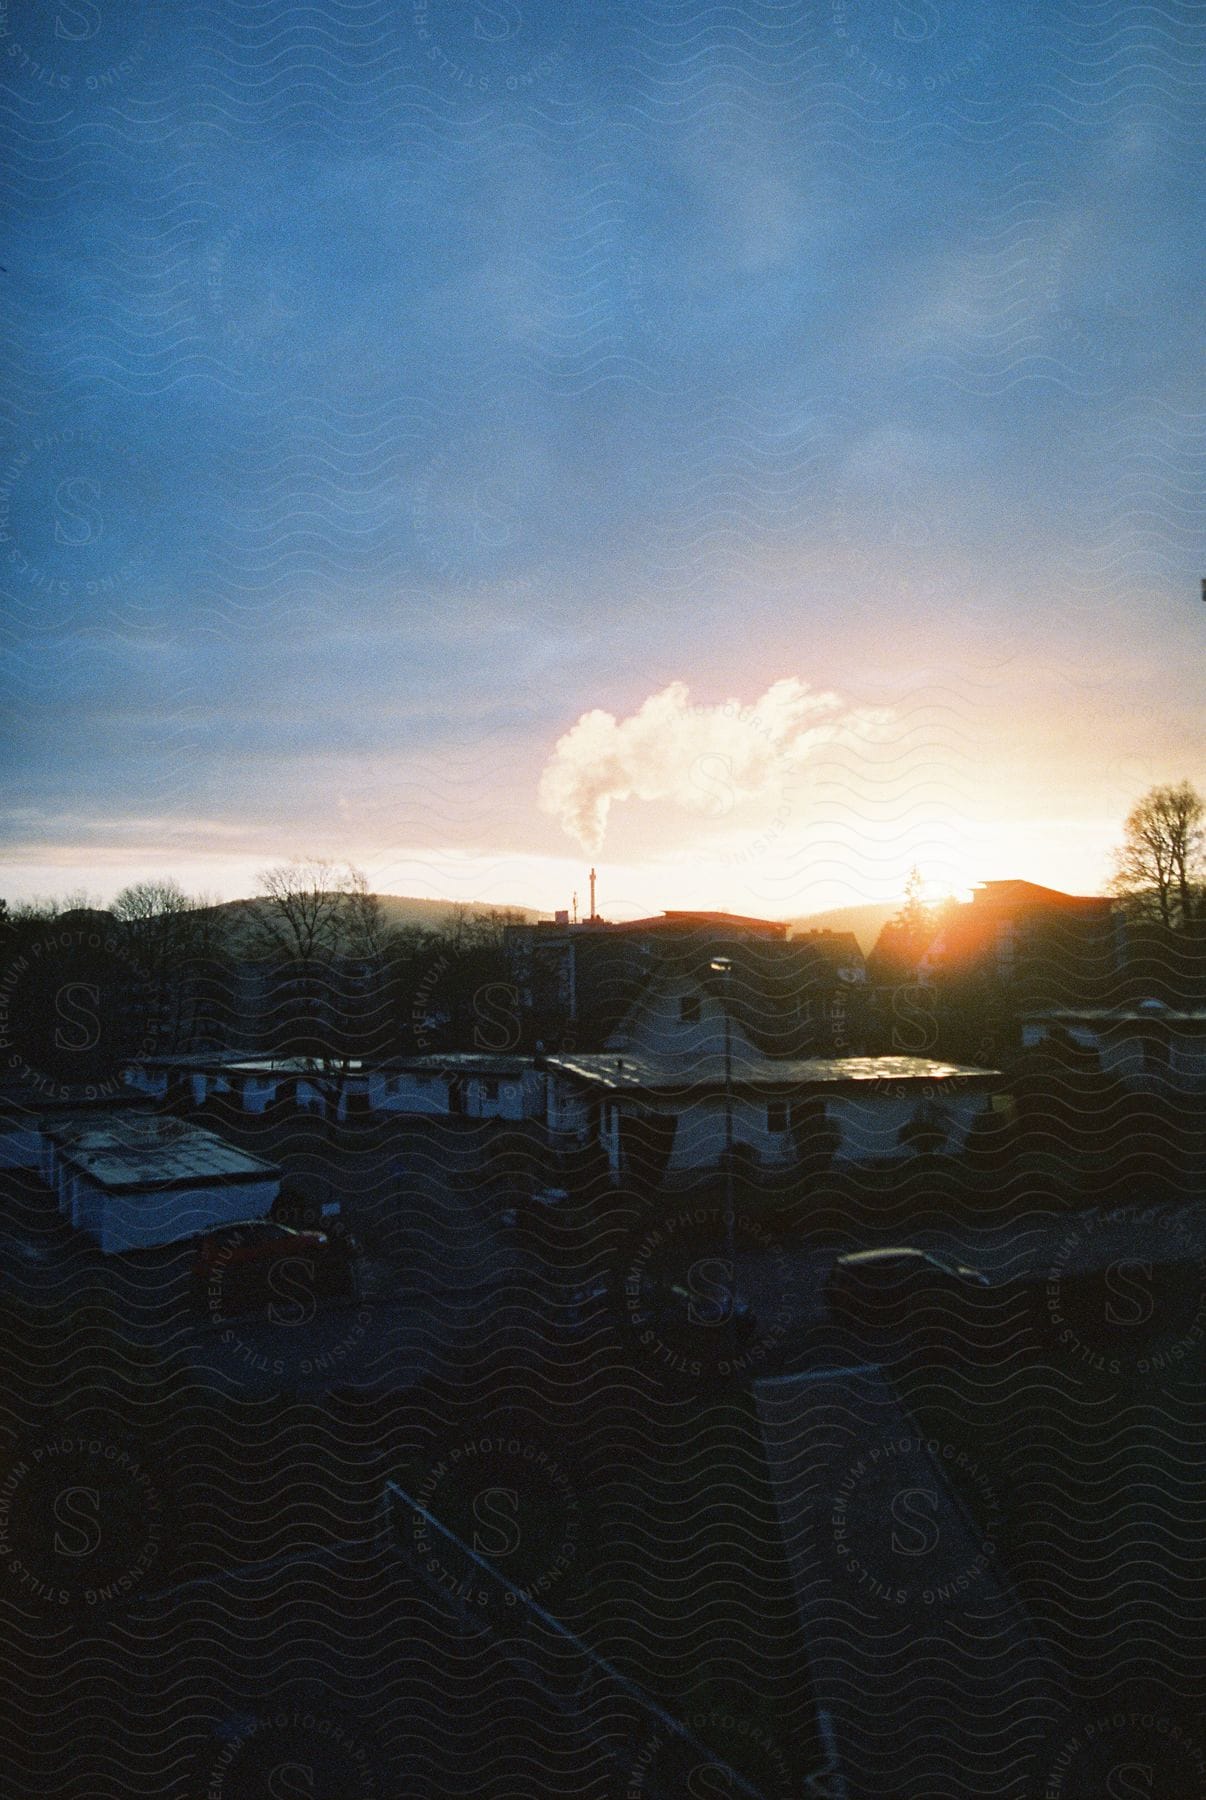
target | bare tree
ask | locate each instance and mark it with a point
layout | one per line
(313, 918)
(154, 914)
(151, 900)
(1160, 866)
(364, 927)
(301, 909)
(179, 943)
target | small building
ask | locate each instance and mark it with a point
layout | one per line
(250, 1084)
(730, 1047)
(133, 1180)
(866, 1109)
(296, 1082)
(468, 1085)
(192, 1074)
(23, 1125)
(1149, 1039)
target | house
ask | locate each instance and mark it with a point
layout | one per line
(576, 984)
(839, 949)
(132, 1180)
(773, 997)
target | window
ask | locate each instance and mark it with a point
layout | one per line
(688, 1009)
(776, 1115)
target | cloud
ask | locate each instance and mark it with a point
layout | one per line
(672, 750)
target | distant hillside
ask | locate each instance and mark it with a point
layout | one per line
(866, 922)
(407, 910)
(401, 909)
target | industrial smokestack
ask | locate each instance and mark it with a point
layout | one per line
(593, 914)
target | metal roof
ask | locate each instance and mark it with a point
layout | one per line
(1143, 1013)
(631, 1073)
(146, 1150)
(291, 1065)
(458, 1062)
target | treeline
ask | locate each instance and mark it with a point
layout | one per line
(310, 967)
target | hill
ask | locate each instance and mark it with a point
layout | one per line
(866, 922)
(405, 910)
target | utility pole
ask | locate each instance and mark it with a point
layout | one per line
(722, 966)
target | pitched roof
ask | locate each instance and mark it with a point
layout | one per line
(837, 947)
(767, 991)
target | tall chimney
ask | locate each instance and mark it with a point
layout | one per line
(593, 914)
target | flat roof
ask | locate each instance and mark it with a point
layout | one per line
(290, 1065)
(1139, 1014)
(147, 1151)
(429, 1062)
(627, 1072)
(28, 1105)
(203, 1061)
(457, 1062)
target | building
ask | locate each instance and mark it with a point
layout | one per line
(1150, 1039)
(839, 949)
(674, 1116)
(1029, 939)
(132, 1180)
(23, 1125)
(458, 1085)
(577, 984)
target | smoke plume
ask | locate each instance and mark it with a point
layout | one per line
(673, 750)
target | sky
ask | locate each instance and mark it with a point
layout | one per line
(753, 449)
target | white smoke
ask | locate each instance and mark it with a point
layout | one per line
(672, 750)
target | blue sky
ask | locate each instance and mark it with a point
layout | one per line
(396, 385)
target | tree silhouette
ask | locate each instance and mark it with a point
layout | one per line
(1160, 866)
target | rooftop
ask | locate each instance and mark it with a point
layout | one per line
(288, 1065)
(459, 1062)
(1144, 1012)
(148, 1151)
(204, 1060)
(634, 1073)
(1014, 892)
